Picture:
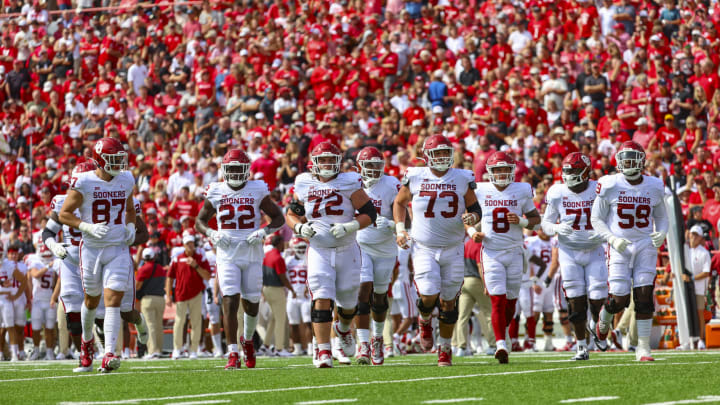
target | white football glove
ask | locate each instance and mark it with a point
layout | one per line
(382, 223)
(256, 237)
(218, 239)
(129, 234)
(340, 230)
(56, 248)
(563, 229)
(96, 230)
(305, 230)
(658, 238)
(594, 237)
(470, 218)
(619, 244)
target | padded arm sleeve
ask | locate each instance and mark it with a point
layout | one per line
(369, 210)
(661, 218)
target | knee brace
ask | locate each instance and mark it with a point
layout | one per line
(547, 326)
(578, 309)
(613, 307)
(643, 302)
(379, 307)
(74, 323)
(347, 316)
(363, 308)
(423, 309)
(564, 318)
(322, 315)
(449, 317)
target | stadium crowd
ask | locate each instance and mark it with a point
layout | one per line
(181, 84)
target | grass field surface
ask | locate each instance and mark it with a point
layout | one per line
(530, 378)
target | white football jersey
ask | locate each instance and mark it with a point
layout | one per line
(6, 273)
(574, 209)
(104, 201)
(438, 204)
(374, 241)
(327, 204)
(542, 249)
(71, 236)
(517, 198)
(627, 210)
(42, 288)
(297, 273)
(238, 211)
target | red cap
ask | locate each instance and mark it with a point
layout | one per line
(438, 121)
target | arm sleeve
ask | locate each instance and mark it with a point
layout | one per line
(549, 218)
(659, 215)
(599, 213)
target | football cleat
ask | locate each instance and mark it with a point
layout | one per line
(249, 352)
(501, 354)
(339, 354)
(616, 338)
(192, 356)
(378, 356)
(347, 341)
(600, 343)
(109, 363)
(218, 354)
(516, 347)
(35, 355)
(363, 354)
(142, 330)
(568, 347)
(642, 353)
(529, 345)
(233, 361)
(582, 354)
(389, 352)
(444, 355)
(548, 346)
(426, 334)
(490, 351)
(86, 357)
(324, 359)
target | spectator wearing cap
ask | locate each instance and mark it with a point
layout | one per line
(150, 290)
(275, 283)
(697, 262)
(17, 80)
(156, 242)
(178, 179)
(643, 135)
(187, 271)
(666, 133)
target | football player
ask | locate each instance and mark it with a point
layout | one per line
(379, 255)
(323, 211)
(540, 248)
(403, 309)
(107, 222)
(237, 202)
(13, 286)
(298, 307)
(554, 281)
(442, 203)
(581, 252)
(629, 213)
(525, 303)
(507, 209)
(43, 315)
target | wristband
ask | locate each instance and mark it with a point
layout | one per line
(400, 227)
(471, 231)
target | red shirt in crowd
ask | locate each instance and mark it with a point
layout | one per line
(188, 282)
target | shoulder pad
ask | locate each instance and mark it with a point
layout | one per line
(605, 183)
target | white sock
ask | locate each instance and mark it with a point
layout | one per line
(217, 342)
(324, 346)
(14, 350)
(643, 327)
(112, 328)
(342, 327)
(141, 326)
(232, 348)
(87, 317)
(297, 348)
(250, 322)
(378, 328)
(49, 354)
(582, 344)
(443, 341)
(363, 335)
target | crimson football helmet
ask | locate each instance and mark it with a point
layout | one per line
(372, 165)
(325, 150)
(299, 247)
(630, 160)
(499, 160)
(236, 167)
(110, 156)
(575, 169)
(431, 147)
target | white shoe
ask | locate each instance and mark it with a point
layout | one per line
(142, 330)
(389, 352)
(323, 360)
(81, 369)
(14, 358)
(548, 347)
(458, 352)
(340, 356)
(35, 355)
(126, 353)
(60, 356)
(490, 351)
(218, 354)
(284, 353)
(346, 339)
(176, 354)
(642, 353)
(22, 356)
(701, 345)
(192, 356)
(582, 354)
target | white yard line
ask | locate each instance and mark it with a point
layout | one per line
(588, 399)
(328, 401)
(409, 380)
(699, 400)
(60, 377)
(451, 401)
(216, 401)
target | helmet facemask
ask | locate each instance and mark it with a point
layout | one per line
(300, 250)
(502, 177)
(115, 163)
(235, 173)
(573, 176)
(326, 165)
(371, 171)
(440, 158)
(630, 163)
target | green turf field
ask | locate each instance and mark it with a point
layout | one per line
(687, 377)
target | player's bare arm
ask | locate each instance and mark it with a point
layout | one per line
(399, 213)
(276, 221)
(67, 213)
(554, 266)
(473, 214)
(529, 221)
(56, 293)
(23, 288)
(204, 216)
(37, 273)
(141, 232)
